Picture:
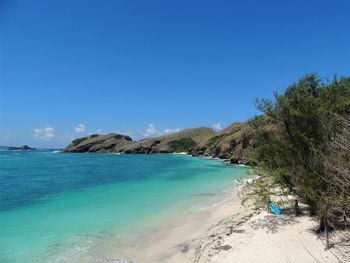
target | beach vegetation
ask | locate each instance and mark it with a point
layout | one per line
(307, 148)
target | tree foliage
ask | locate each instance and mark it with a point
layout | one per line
(307, 147)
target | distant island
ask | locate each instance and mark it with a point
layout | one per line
(20, 148)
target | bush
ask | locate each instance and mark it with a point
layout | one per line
(182, 145)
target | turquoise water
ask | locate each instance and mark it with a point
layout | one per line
(52, 202)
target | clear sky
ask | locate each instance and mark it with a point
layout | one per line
(74, 67)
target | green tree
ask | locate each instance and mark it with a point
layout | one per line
(296, 151)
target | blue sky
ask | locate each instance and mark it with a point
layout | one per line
(74, 67)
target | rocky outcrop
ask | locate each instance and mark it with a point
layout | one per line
(21, 148)
(100, 143)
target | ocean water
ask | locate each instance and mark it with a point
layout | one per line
(55, 206)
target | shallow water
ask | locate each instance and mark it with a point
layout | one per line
(55, 206)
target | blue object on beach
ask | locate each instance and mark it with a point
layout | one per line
(275, 209)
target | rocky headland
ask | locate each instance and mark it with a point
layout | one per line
(232, 143)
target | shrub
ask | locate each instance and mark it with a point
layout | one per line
(182, 145)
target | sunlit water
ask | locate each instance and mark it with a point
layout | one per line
(52, 205)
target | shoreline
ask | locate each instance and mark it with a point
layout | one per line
(177, 238)
(171, 235)
(228, 232)
(74, 225)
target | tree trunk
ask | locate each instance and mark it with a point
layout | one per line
(322, 223)
(326, 232)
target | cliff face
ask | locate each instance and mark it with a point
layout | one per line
(232, 143)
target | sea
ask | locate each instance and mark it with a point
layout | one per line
(58, 207)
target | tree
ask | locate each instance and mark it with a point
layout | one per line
(307, 150)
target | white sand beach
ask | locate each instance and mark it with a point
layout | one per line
(232, 232)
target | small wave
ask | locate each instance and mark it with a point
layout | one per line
(182, 153)
(56, 151)
(212, 157)
(216, 204)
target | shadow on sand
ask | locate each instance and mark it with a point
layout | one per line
(273, 223)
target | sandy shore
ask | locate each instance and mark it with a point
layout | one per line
(231, 232)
